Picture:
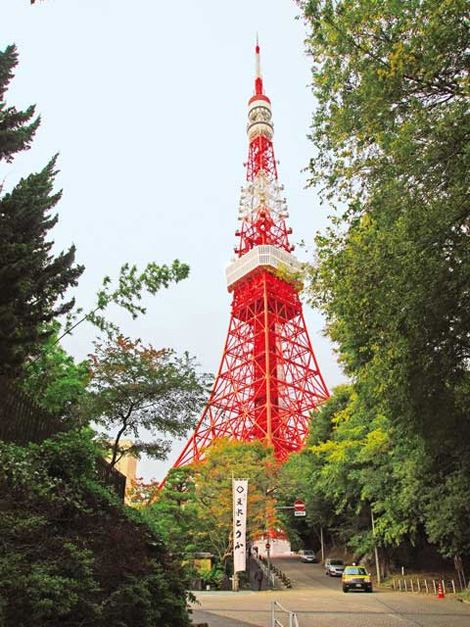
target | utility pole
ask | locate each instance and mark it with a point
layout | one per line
(322, 546)
(376, 551)
(268, 559)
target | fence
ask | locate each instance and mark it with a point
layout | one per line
(22, 420)
(111, 477)
(426, 585)
(274, 573)
(278, 613)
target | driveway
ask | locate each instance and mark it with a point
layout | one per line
(319, 602)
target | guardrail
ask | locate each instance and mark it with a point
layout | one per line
(274, 573)
(278, 611)
(268, 574)
(426, 585)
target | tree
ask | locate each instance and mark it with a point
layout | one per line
(33, 281)
(361, 464)
(298, 478)
(392, 272)
(136, 388)
(213, 481)
(296, 481)
(174, 513)
(127, 292)
(142, 493)
(52, 377)
(194, 509)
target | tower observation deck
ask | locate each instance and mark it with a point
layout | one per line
(268, 383)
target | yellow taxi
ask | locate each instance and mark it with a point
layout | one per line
(356, 578)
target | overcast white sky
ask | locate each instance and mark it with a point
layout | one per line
(146, 103)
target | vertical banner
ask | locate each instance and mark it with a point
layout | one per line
(240, 495)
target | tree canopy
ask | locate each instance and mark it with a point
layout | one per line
(392, 271)
(33, 281)
(136, 389)
(194, 510)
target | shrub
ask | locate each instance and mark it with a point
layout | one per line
(71, 552)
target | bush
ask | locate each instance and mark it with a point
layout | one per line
(71, 552)
(212, 577)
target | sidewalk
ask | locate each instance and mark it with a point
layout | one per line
(219, 621)
(233, 609)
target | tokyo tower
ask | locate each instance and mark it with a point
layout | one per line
(268, 381)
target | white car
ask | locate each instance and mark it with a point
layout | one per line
(334, 567)
(308, 555)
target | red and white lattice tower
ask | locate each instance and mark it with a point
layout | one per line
(268, 382)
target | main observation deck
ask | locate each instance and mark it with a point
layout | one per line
(264, 257)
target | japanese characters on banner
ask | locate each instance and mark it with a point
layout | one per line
(240, 494)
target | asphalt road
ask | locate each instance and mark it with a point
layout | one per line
(320, 602)
(307, 575)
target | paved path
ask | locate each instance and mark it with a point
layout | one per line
(320, 602)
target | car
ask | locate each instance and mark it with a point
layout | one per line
(307, 555)
(356, 578)
(334, 567)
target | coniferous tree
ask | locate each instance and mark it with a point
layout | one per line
(33, 281)
(15, 132)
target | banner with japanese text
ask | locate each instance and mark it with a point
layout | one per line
(240, 496)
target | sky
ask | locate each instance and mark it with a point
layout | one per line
(146, 103)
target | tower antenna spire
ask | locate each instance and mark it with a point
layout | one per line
(258, 77)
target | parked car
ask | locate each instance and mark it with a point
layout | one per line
(307, 555)
(334, 567)
(356, 578)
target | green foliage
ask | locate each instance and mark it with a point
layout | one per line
(392, 271)
(213, 479)
(135, 387)
(71, 554)
(465, 596)
(361, 463)
(297, 481)
(194, 510)
(128, 293)
(211, 576)
(447, 511)
(391, 79)
(53, 378)
(174, 514)
(17, 128)
(33, 282)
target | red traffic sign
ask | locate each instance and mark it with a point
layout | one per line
(299, 506)
(268, 546)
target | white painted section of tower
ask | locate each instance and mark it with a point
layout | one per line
(265, 256)
(259, 119)
(262, 195)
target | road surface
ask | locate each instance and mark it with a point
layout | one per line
(320, 602)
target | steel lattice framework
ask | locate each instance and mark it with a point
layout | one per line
(268, 381)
